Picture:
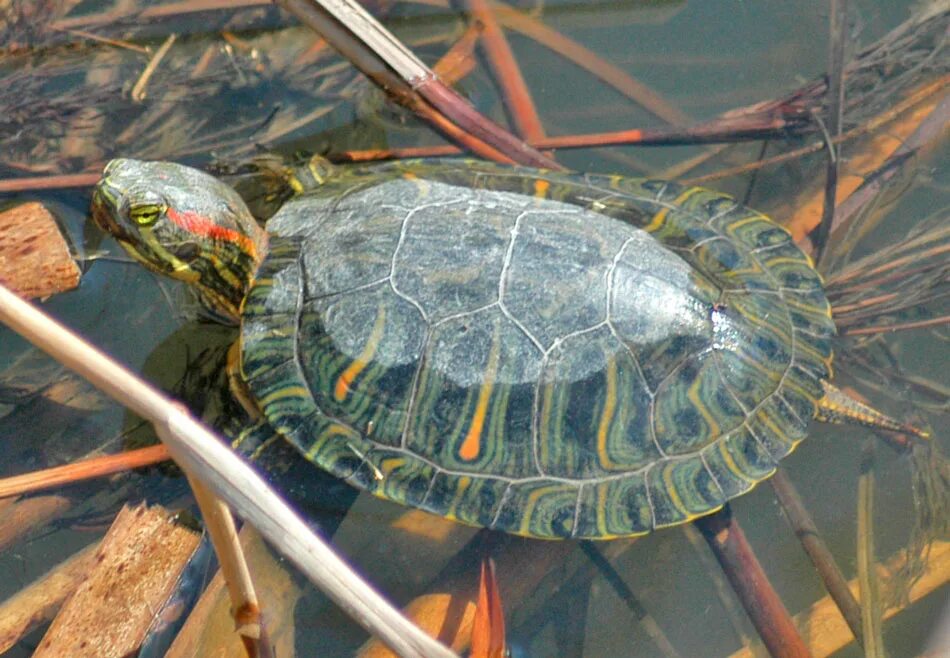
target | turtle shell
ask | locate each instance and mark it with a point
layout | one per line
(553, 355)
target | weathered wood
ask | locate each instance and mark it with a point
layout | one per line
(34, 257)
(137, 565)
(39, 601)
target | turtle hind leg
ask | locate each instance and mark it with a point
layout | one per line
(838, 407)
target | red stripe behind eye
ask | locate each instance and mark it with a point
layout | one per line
(205, 227)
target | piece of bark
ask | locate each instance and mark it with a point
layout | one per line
(137, 565)
(38, 602)
(34, 257)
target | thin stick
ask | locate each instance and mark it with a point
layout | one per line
(49, 182)
(915, 98)
(867, 577)
(726, 598)
(629, 598)
(245, 606)
(394, 68)
(138, 90)
(817, 550)
(198, 451)
(838, 29)
(889, 328)
(518, 98)
(82, 470)
(763, 605)
(616, 77)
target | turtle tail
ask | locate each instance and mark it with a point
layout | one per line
(838, 407)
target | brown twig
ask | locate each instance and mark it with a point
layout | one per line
(872, 636)
(592, 63)
(901, 326)
(915, 98)
(393, 67)
(514, 89)
(155, 11)
(832, 126)
(718, 131)
(763, 605)
(629, 598)
(82, 470)
(459, 60)
(817, 550)
(49, 182)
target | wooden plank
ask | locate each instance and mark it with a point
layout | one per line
(137, 566)
(34, 257)
(39, 601)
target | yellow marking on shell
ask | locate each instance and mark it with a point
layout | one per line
(601, 510)
(734, 226)
(766, 419)
(331, 431)
(541, 188)
(692, 394)
(346, 378)
(731, 463)
(671, 490)
(658, 219)
(678, 503)
(794, 260)
(462, 483)
(545, 425)
(390, 464)
(530, 503)
(471, 444)
(610, 405)
(285, 392)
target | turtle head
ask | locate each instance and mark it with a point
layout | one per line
(183, 223)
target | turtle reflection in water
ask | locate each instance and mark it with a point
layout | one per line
(552, 355)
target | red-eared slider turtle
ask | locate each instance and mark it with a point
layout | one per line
(553, 355)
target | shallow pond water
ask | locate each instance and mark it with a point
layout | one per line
(703, 58)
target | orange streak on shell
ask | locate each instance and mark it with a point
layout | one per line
(471, 445)
(342, 386)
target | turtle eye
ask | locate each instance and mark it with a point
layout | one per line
(146, 214)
